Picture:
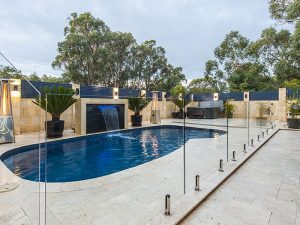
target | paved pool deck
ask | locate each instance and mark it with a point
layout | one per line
(264, 191)
(130, 197)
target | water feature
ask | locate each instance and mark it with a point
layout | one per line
(111, 117)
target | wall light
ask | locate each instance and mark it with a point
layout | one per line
(143, 93)
(115, 93)
(192, 97)
(180, 96)
(216, 96)
(15, 93)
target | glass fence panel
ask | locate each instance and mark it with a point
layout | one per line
(117, 161)
(256, 122)
(21, 136)
(292, 108)
(207, 127)
(238, 127)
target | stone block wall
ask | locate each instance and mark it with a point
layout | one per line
(28, 117)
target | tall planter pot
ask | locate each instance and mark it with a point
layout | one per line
(174, 115)
(293, 123)
(136, 120)
(180, 115)
(55, 128)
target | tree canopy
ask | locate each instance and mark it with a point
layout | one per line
(285, 10)
(7, 72)
(91, 53)
(270, 62)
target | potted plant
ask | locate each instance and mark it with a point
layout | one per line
(229, 108)
(179, 102)
(55, 101)
(263, 111)
(137, 105)
(174, 115)
(294, 108)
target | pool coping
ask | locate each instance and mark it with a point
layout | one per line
(181, 208)
(97, 181)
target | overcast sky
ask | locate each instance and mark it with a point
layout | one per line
(189, 30)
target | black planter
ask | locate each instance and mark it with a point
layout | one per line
(229, 115)
(174, 115)
(180, 115)
(55, 128)
(293, 123)
(136, 120)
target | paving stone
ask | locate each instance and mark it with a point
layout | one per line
(264, 191)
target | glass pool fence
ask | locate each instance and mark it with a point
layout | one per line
(115, 159)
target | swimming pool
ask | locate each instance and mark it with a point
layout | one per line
(101, 154)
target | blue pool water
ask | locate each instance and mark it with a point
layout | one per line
(99, 154)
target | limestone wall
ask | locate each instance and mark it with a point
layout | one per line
(278, 109)
(30, 118)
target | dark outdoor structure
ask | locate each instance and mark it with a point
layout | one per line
(203, 113)
(104, 117)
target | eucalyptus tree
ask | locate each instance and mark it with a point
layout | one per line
(7, 72)
(117, 58)
(202, 85)
(93, 54)
(237, 66)
(146, 64)
(285, 10)
(214, 77)
(170, 77)
(81, 55)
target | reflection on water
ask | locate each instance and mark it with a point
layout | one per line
(120, 135)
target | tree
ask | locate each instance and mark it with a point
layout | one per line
(214, 77)
(275, 50)
(170, 77)
(34, 77)
(81, 55)
(237, 66)
(116, 58)
(93, 54)
(180, 102)
(232, 52)
(294, 84)
(250, 77)
(54, 79)
(146, 64)
(179, 89)
(280, 51)
(7, 72)
(202, 85)
(285, 10)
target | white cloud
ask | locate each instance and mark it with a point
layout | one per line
(189, 30)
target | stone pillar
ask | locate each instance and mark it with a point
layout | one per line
(163, 108)
(216, 96)
(282, 109)
(16, 104)
(246, 96)
(246, 104)
(282, 94)
(76, 88)
(78, 112)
